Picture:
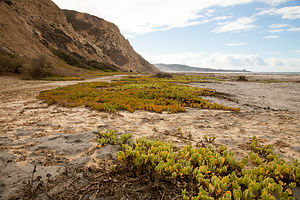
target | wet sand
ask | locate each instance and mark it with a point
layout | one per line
(54, 138)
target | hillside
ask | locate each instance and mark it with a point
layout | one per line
(31, 28)
(186, 68)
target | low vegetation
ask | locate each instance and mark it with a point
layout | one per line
(209, 172)
(59, 78)
(242, 78)
(8, 2)
(10, 62)
(72, 67)
(79, 61)
(181, 78)
(29, 68)
(37, 68)
(135, 93)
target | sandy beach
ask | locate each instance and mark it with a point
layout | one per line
(54, 138)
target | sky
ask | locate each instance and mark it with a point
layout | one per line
(257, 35)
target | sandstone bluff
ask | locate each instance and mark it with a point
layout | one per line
(30, 28)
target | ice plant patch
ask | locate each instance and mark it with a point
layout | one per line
(142, 93)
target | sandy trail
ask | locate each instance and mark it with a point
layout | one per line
(55, 138)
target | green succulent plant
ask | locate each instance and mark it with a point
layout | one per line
(143, 93)
(215, 171)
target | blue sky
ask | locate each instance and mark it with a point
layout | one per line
(258, 35)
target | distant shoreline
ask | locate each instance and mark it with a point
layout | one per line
(179, 68)
(231, 72)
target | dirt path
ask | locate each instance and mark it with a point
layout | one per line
(55, 138)
(31, 133)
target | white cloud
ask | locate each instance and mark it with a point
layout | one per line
(271, 36)
(209, 12)
(241, 24)
(208, 20)
(292, 29)
(236, 44)
(285, 12)
(274, 2)
(295, 29)
(297, 51)
(278, 25)
(229, 61)
(276, 30)
(137, 17)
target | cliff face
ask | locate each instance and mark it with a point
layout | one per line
(107, 37)
(31, 27)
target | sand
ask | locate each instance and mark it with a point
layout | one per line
(54, 138)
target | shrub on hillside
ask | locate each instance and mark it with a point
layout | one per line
(75, 59)
(7, 2)
(101, 66)
(10, 62)
(37, 68)
(71, 60)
